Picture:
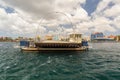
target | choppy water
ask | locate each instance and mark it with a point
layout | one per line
(102, 62)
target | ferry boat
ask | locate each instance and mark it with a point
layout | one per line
(75, 43)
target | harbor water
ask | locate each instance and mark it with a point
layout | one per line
(101, 62)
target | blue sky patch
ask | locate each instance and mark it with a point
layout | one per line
(90, 6)
(111, 4)
(9, 10)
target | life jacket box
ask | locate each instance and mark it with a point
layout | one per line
(84, 43)
(24, 43)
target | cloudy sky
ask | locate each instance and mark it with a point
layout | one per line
(31, 17)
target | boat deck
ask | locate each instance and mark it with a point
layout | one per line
(55, 49)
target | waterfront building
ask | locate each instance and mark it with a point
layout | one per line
(97, 35)
(6, 39)
(112, 37)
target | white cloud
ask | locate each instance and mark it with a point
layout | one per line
(80, 15)
(113, 12)
(102, 5)
(105, 15)
(46, 9)
(12, 24)
(116, 22)
(29, 14)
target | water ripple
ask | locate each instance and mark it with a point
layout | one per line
(102, 62)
